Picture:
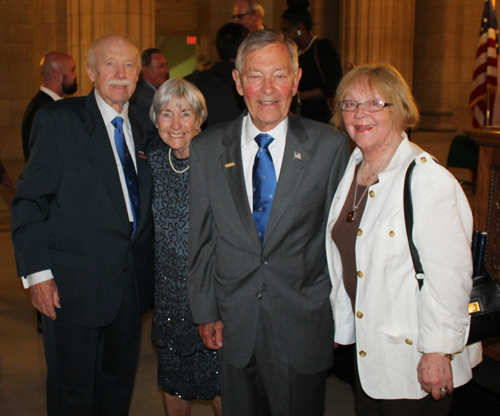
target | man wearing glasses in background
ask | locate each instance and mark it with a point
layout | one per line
(249, 13)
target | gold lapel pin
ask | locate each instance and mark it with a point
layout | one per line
(228, 165)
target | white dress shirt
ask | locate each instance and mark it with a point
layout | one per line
(108, 113)
(249, 148)
(50, 93)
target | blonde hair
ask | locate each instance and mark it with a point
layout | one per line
(387, 82)
(178, 89)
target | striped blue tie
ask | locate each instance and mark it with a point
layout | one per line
(264, 184)
(128, 169)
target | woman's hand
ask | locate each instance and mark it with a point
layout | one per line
(434, 375)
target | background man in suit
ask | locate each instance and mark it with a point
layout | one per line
(257, 279)
(154, 73)
(58, 70)
(217, 84)
(82, 233)
(249, 13)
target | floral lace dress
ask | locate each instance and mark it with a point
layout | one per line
(185, 367)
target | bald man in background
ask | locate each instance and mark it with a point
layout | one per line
(58, 70)
(249, 13)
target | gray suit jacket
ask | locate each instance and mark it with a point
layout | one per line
(228, 264)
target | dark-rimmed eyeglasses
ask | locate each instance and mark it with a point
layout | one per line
(371, 105)
(241, 15)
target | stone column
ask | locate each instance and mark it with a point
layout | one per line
(446, 34)
(378, 31)
(89, 19)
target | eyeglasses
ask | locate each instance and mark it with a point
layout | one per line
(241, 16)
(371, 106)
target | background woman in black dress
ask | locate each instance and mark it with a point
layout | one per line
(186, 369)
(318, 58)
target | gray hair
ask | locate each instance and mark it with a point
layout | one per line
(178, 89)
(100, 42)
(262, 38)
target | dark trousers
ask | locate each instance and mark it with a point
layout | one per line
(268, 385)
(91, 371)
(427, 406)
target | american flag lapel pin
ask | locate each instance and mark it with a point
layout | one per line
(141, 154)
(297, 155)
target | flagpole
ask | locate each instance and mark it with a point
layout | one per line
(487, 109)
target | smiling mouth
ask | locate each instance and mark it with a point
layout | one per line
(268, 102)
(177, 136)
(363, 128)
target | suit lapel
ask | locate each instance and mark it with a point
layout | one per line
(295, 161)
(232, 165)
(104, 159)
(143, 171)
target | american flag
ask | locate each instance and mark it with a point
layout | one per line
(485, 79)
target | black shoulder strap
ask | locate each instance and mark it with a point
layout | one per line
(408, 208)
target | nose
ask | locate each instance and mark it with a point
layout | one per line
(120, 71)
(360, 110)
(175, 123)
(268, 86)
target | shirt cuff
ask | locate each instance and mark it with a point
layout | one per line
(35, 278)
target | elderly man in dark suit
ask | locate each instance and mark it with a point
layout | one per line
(259, 289)
(82, 233)
(58, 70)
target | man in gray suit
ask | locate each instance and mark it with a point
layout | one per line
(258, 284)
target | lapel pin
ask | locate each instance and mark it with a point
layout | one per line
(228, 165)
(297, 155)
(141, 154)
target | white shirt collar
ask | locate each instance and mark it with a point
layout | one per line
(51, 93)
(109, 113)
(251, 132)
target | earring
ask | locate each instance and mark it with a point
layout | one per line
(299, 32)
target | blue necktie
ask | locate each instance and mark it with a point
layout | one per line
(128, 169)
(264, 184)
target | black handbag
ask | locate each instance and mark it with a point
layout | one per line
(484, 306)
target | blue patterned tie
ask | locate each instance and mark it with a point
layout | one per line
(264, 184)
(128, 169)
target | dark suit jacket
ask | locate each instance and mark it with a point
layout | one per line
(143, 95)
(217, 86)
(228, 264)
(39, 100)
(69, 214)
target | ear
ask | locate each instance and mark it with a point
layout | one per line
(296, 81)
(91, 72)
(237, 80)
(58, 76)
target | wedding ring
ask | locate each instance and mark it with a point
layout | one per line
(443, 389)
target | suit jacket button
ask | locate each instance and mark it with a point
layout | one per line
(360, 273)
(259, 296)
(360, 232)
(359, 314)
(362, 354)
(125, 269)
(409, 341)
(264, 261)
(372, 194)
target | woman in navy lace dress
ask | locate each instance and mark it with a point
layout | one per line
(186, 369)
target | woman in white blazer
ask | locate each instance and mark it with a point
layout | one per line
(410, 343)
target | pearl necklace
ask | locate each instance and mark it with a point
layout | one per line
(308, 46)
(172, 165)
